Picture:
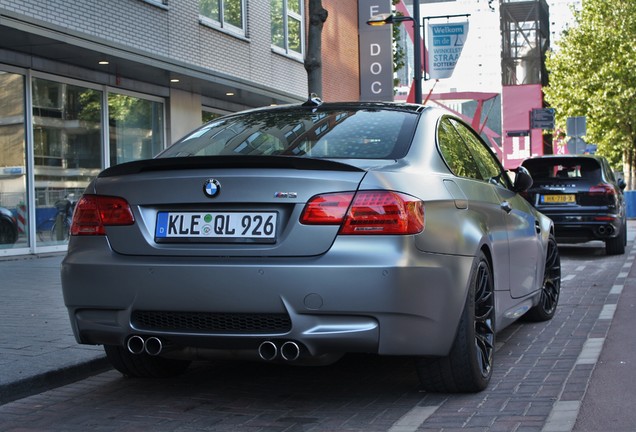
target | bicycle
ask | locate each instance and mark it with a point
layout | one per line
(58, 228)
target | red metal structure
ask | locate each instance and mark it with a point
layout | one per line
(525, 30)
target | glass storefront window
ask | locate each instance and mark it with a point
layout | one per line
(135, 128)
(67, 143)
(14, 222)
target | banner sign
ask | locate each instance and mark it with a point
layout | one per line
(376, 52)
(445, 44)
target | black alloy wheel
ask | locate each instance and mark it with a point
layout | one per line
(484, 318)
(469, 365)
(551, 287)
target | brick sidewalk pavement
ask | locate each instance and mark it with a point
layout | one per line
(37, 347)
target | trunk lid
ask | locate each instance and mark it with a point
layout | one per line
(254, 210)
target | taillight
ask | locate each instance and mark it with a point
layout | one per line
(327, 209)
(94, 212)
(602, 189)
(366, 212)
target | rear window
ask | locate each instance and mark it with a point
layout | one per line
(346, 133)
(563, 169)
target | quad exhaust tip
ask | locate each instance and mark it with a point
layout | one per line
(138, 345)
(135, 344)
(288, 351)
(153, 346)
(267, 350)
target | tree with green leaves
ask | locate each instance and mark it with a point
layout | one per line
(399, 55)
(593, 74)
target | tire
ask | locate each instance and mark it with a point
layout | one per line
(551, 286)
(8, 232)
(468, 367)
(143, 365)
(616, 245)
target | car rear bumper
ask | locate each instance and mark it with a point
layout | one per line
(583, 228)
(379, 299)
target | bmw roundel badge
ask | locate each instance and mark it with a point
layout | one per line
(211, 188)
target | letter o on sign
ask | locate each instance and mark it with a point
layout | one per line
(376, 68)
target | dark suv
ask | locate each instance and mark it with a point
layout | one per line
(582, 196)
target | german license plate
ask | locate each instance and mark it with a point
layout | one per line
(557, 199)
(215, 226)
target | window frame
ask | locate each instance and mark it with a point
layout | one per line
(443, 144)
(222, 24)
(300, 17)
(162, 4)
(453, 123)
(488, 165)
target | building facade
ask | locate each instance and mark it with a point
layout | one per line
(88, 84)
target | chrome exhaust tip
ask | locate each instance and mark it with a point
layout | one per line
(268, 350)
(153, 346)
(135, 344)
(290, 351)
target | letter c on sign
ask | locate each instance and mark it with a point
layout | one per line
(376, 87)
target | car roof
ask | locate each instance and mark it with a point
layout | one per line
(400, 106)
(567, 156)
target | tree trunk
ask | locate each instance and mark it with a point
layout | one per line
(313, 58)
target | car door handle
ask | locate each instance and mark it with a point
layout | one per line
(537, 227)
(506, 206)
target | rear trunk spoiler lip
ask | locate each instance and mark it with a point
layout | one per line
(207, 162)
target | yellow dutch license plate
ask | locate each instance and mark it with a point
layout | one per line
(558, 199)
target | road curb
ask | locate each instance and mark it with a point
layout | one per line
(52, 379)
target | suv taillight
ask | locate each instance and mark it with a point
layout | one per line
(602, 189)
(94, 212)
(603, 194)
(366, 212)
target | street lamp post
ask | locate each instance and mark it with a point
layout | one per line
(383, 19)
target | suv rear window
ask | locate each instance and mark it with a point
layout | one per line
(549, 169)
(302, 132)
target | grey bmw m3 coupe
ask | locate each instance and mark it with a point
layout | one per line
(301, 233)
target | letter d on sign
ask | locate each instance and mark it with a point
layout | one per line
(375, 49)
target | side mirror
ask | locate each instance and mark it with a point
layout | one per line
(622, 184)
(523, 180)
